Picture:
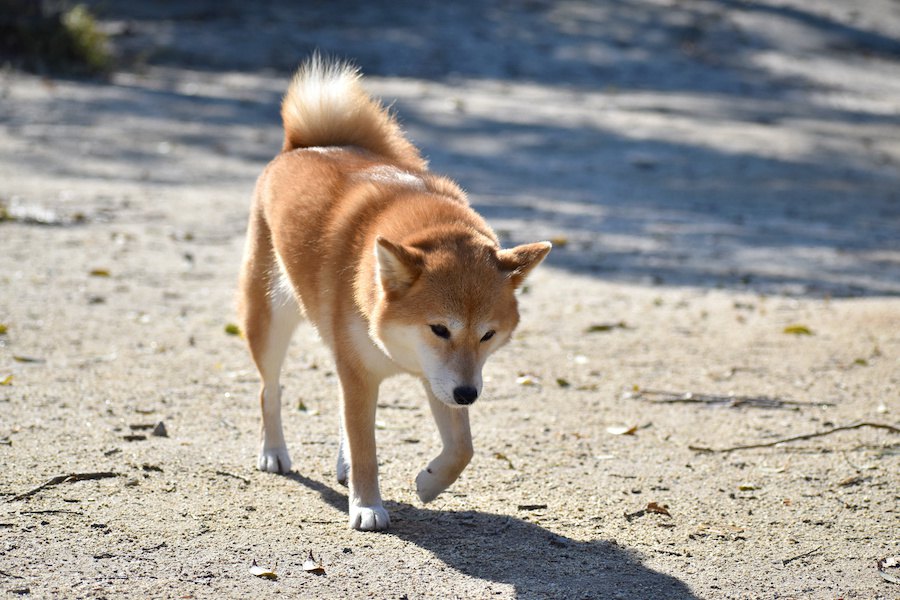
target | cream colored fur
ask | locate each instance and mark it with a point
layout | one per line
(390, 264)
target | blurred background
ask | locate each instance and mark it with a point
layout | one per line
(751, 145)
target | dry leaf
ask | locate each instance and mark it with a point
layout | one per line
(27, 359)
(528, 380)
(263, 572)
(604, 327)
(310, 565)
(99, 273)
(798, 330)
(622, 430)
(7, 380)
(563, 383)
(748, 487)
(503, 457)
(852, 480)
(3, 329)
(892, 563)
(660, 509)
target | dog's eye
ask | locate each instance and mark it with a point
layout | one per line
(488, 335)
(441, 331)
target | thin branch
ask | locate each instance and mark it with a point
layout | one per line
(796, 438)
(72, 477)
(667, 397)
(785, 561)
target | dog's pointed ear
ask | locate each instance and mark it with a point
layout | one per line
(398, 266)
(519, 261)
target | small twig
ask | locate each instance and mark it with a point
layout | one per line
(72, 477)
(634, 515)
(796, 438)
(243, 480)
(785, 561)
(57, 511)
(666, 397)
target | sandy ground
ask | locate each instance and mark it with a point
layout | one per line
(712, 173)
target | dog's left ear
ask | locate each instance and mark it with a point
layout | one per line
(519, 261)
(398, 266)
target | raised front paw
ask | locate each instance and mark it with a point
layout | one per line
(274, 460)
(429, 486)
(369, 518)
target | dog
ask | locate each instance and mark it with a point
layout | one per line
(395, 270)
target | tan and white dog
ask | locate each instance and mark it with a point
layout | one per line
(388, 261)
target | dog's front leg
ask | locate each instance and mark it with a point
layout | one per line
(359, 399)
(456, 437)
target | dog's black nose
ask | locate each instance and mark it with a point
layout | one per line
(465, 394)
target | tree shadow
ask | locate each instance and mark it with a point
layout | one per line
(503, 549)
(657, 207)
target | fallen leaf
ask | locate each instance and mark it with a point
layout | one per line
(3, 329)
(748, 487)
(604, 327)
(99, 273)
(892, 563)
(27, 359)
(563, 383)
(263, 572)
(622, 430)
(310, 565)
(528, 380)
(852, 480)
(7, 380)
(232, 329)
(501, 456)
(660, 509)
(798, 330)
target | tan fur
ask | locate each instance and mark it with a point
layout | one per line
(375, 251)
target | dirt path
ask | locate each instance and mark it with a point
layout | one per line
(712, 173)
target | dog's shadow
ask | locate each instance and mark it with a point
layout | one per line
(503, 549)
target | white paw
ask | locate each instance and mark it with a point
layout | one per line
(429, 486)
(274, 460)
(369, 518)
(342, 471)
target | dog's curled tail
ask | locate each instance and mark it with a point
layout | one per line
(326, 105)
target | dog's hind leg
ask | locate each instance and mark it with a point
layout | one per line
(343, 467)
(273, 453)
(456, 437)
(270, 314)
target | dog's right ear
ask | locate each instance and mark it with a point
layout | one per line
(398, 266)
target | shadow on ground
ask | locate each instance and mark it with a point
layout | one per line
(499, 548)
(711, 143)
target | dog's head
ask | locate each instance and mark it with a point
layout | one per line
(444, 306)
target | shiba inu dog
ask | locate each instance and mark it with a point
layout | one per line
(350, 230)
